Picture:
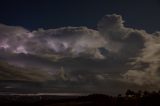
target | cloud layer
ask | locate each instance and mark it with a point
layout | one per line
(107, 56)
(73, 41)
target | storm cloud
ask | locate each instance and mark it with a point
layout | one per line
(109, 55)
(147, 65)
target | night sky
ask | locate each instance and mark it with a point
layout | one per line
(33, 14)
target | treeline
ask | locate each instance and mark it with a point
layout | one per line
(131, 98)
(139, 98)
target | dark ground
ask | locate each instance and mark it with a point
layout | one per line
(130, 99)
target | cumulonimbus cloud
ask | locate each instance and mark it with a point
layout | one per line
(139, 48)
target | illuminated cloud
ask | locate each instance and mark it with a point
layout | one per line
(13, 38)
(120, 39)
(130, 56)
(73, 41)
(147, 65)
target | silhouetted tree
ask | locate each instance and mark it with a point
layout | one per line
(130, 93)
(138, 94)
